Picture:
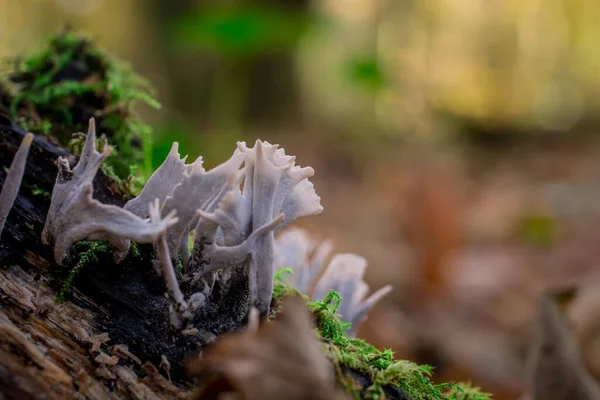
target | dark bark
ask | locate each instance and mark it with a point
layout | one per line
(125, 300)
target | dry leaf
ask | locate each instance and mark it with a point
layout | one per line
(558, 373)
(584, 312)
(281, 360)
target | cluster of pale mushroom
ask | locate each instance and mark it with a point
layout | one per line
(314, 277)
(235, 210)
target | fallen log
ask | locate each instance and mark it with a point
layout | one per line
(50, 350)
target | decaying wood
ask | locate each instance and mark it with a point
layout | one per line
(78, 348)
(111, 337)
(51, 351)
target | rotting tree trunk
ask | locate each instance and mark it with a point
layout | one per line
(57, 351)
(108, 338)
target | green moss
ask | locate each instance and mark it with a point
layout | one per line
(90, 251)
(280, 288)
(463, 391)
(37, 191)
(132, 185)
(179, 267)
(359, 356)
(135, 250)
(57, 89)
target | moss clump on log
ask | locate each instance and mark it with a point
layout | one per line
(56, 90)
(366, 372)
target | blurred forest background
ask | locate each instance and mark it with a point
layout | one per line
(455, 142)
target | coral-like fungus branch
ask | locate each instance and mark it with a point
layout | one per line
(180, 310)
(12, 183)
(305, 256)
(161, 183)
(344, 274)
(273, 186)
(234, 227)
(74, 215)
(198, 190)
(227, 256)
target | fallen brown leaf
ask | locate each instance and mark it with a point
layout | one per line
(558, 373)
(281, 360)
